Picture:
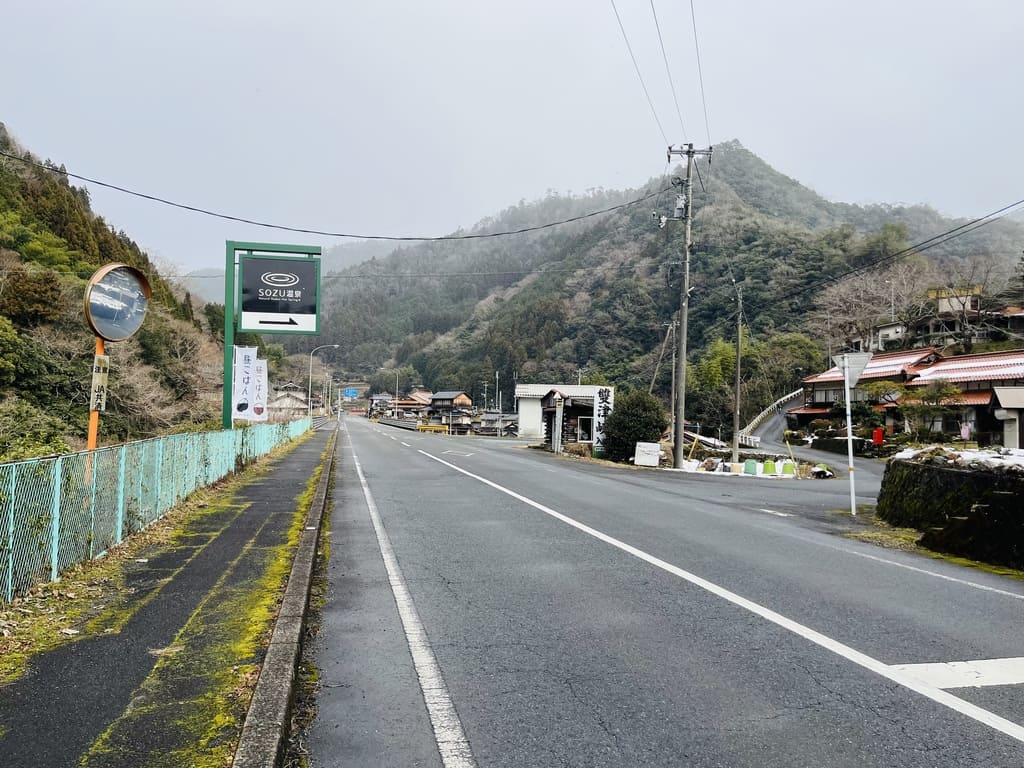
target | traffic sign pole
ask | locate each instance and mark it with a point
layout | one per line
(853, 366)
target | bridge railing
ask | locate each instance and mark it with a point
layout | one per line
(59, 511)
(746, 434)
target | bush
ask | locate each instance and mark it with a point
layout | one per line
(636, 418)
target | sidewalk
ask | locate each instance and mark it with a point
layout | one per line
(159, 671)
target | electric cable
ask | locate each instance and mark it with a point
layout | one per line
(640, 76)
(700, 75)
(668, 70)
(325, 233)
(932, 242)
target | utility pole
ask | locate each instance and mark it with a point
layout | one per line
(739, 351)
(679, 450)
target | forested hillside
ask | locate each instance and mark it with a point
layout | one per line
(50, 244)
(592, 299)
(570, 287)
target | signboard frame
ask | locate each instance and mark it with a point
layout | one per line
(232, 251)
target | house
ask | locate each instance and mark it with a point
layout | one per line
(528, 404)
(824, 391)
(496, 423)
(287, 405)
(976, 376)
(564, 413)
(452, 408)
(380, 404)
(450, 401)
(1008, 407)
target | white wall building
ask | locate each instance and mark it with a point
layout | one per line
(528, 404)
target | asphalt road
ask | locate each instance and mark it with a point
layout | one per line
(534, 611)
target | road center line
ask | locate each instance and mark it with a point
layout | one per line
(994, 721)
(448, 733)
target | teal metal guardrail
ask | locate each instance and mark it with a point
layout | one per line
(59, 511)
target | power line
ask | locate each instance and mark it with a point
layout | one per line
(637, 68)
(302, 230)
(927, 244)
(668, 70)
(700, 72)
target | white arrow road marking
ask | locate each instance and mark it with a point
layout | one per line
(967, 674)
(773, 512)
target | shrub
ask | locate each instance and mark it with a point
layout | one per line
(637, 418)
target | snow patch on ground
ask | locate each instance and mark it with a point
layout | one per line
(993, 459)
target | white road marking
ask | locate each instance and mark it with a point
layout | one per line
(916, 569)
(455, 453)
(973, 711)
(773, 512)
(448, 733)
(967, 674)
(406, 444)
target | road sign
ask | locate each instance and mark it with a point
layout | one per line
(351, 392)
(279, 294)
(856, 361)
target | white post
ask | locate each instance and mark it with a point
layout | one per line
(849, 432)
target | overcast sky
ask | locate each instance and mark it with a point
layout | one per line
(415, 118)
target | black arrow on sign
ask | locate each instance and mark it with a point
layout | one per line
(289, 321)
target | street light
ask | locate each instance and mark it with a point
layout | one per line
(309, 389)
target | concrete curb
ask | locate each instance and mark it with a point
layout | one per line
(265, 731)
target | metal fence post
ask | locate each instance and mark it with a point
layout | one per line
(58, 468)
(142, 474)
(92, 472)
(10, 533)
(159, 478)
(121, 465)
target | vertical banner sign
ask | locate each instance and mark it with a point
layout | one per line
(244, 388)
(259, 398)
(603, 404)
(100, 373)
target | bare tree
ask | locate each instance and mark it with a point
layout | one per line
(969, 291)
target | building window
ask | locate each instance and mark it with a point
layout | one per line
(585, 429)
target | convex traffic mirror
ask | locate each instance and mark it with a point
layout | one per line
(116, 299)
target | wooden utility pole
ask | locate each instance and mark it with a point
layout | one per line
(679, 450)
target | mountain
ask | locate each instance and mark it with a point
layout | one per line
(558, 289)
(593, 296)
